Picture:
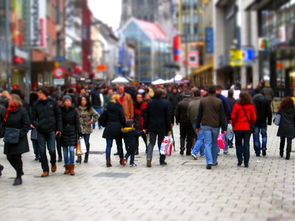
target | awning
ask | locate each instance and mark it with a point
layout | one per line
(269, 4)
(202, 69)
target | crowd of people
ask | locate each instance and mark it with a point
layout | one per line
(58, 120)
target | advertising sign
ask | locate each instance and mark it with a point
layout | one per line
(59, 72)
(193, 59)
(209, 40)
(236, 57)
(38, 24)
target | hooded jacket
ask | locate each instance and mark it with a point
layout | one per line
(263, 109)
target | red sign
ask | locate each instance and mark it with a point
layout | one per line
(18, 60)
(177, 48)
(59, 72)
(102, 67)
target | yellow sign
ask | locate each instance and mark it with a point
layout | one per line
(236, 57)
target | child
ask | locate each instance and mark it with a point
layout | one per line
(130, 136)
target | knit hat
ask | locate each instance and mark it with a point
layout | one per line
(66, 97)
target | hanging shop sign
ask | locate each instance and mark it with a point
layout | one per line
(249, 55)
(194, 59)
(263, 44)
(177, 48)
(236, 57)
(209, 40)
(59, 72)
(38, 24)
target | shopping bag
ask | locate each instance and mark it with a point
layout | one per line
(277, 120)
(79, 149)
(230, 132)
(170, 148)
(165, 145)
(221, 141)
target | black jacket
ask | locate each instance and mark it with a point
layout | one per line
(174, 99)
(71, 126)
(157, 118)
(115, 120)
(95, 99)
(130, 136)
(263, 109)
(46, 116)
(181, 111)
(287, 123)
(18, 119)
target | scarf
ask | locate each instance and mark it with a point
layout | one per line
(10, 109)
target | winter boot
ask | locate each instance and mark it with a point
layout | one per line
(87, 153)
(288, 152)
(79, 159)
(72, 169)
(149, 163)
(108, 163)
(67, 169)
(162, 160)
(281, 150)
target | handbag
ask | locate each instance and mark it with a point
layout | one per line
(79, 149)
(252, 128)
(103, 119)
(221, 141)
(11, 135)
(277, 119)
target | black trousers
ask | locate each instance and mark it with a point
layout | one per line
(58, 146)
(186, 137)
(289, 146)
(16, 162)
(243, 146)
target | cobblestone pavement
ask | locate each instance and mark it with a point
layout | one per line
(183, 190)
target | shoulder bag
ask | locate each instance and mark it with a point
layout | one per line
(252, 129)
(11, 135)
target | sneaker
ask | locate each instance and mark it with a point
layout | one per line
(53, 168)
(194, 156)
(133, 165)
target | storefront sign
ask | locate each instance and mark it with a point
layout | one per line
(209, 40)
(59, 72)
(236, 57)
(193, 59)
(263, 44)
(38, 24)
(177, 48)
(249, 55)
(59, 81)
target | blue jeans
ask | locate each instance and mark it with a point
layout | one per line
(49, 139)
(99, 111)
(211, 145)
(243, 146)
(109, 148)
(260, 129)
(199, 145)
(86, 138)
(69, 155)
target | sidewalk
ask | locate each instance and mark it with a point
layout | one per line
(183, 190)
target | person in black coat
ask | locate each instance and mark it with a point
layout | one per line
(69, 134)
(157, 123)
(46, 118)
(287, 125)
(17, 118)
(114, 118)
(2, 115)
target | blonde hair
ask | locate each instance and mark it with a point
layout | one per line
(5, 94)
(115, 98)
(16, 99)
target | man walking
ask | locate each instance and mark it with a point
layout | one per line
(157, 122)
(210, 118)
(264, 117)
(46, 117)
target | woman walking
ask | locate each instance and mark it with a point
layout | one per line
(113, 119)
(287, 126)
(69, 134)
(243, 117)
(87, 116)
(17, 125)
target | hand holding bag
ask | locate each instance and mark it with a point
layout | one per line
(277, 120)
(11, 135)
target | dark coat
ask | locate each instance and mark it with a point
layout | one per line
(18, 119)
(181, 111)
(46, 116)
(71, 126)
(287, 123)
(263, 110)
(157, 117)
(115, 120)
(130, 136)
(231, 101)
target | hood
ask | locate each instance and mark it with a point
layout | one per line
(258, 97)
(126, 130)
(113, 106)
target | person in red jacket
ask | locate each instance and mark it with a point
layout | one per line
(140, 107)
(243, 117)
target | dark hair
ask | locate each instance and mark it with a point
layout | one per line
(33, 98)
(212, 90)
(230, 93)
(287, 103)
(158, 93)
(44, 91)
(18, 92)
(218, 87)
(196, 92)
(245, 98)
(257, 90)
(88, 105)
